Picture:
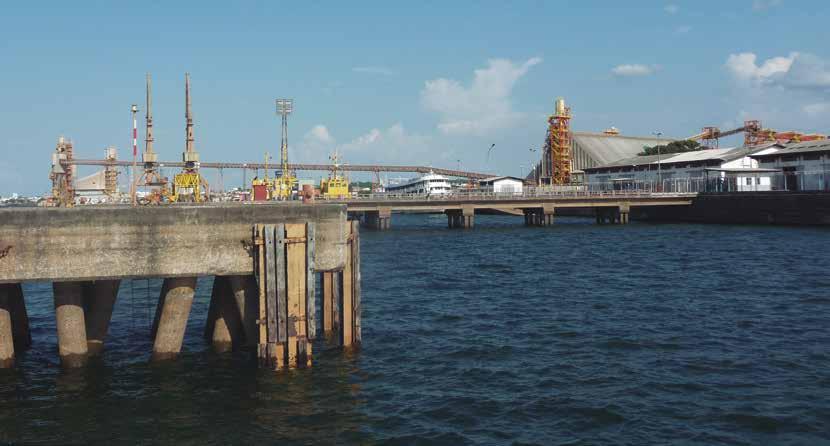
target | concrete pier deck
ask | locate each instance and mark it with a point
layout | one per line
(86, 251)
(117, 242)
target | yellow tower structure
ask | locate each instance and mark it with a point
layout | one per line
(558, 144)
(189, 185)
(285, 182)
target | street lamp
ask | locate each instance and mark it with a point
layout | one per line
(658, 134)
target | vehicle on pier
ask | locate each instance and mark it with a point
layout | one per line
(429, 184)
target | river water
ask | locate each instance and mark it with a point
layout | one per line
(574, 334)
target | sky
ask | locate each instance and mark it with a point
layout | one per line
(427, 83)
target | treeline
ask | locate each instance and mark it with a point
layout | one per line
(685, 145)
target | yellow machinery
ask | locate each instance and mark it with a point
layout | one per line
(189, 184)
(335, 186)
(263, 189)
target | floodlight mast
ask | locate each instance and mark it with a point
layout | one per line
(284, 108)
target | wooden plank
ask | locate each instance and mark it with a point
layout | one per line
(328, 304)
(356, 278)
(311, 295)
(347, 315)
(337, 306)
(271, 283)
(260, 277)
(282, 317)
(296, 293)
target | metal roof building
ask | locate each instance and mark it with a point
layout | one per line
(597, 149)
(796, 149)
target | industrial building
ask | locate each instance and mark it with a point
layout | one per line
(803, 166)
(501, 185)
(703, 170)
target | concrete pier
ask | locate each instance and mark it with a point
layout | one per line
(245, 296)
(71, 324)
(543, 216)
(463, 218)
(380, 220)
(171, 316)
(99, 300)
(612, 215)
(86, 251)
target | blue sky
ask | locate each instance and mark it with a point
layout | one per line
(392, 82)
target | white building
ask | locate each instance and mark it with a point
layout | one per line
(703, 170)
(502, 185)
(803, 166)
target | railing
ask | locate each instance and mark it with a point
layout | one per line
(528, 193)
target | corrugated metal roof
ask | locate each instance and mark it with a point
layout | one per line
(802, 147)
(610, 148)
(723, 155)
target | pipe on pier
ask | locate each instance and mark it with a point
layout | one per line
(71, 324)
(171, 316)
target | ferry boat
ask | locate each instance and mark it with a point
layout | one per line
(429, 184)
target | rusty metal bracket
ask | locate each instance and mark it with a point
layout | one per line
(295, 240)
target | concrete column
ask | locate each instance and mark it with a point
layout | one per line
(99, 300)
(455, 218)
(227, 327)
(624, 211)
(171, 316)
(6, 332)
(468, 215)
(71, 324)
(246, 297)
(548, 211)
(385, 219)
(20, 317)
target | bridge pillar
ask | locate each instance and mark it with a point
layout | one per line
(460, 218)
(99, 300)
(623, 212)
(539, 216)
(468, 217)
(612, 215)
(11, 337)
(171, 316)
(380, 220)
(69, 315)
(548, 210)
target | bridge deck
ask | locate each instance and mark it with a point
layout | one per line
(509, 202)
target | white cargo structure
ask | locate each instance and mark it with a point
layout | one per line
(703, 170)
(804, 166)
(502, 185)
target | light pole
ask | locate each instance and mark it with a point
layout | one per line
(659, 165)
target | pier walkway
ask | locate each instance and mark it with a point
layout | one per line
(538, 207)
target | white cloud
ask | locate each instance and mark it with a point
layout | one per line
(384, 71)
(794, 71)
(744, 67)
(816, 110)
(393, 144)
(683, 29)
(483, 106)
(320, 134)
(671, 9)
(763, 5)
(632, 70)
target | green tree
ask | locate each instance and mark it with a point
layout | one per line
(685, 145)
